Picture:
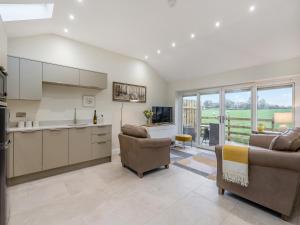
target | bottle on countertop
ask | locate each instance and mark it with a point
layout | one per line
(101, 119)
(95, 117)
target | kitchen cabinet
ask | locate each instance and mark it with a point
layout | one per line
(27, 152)
(101, 142)
(60, 74)
(93, 79)
(10, 157)
(30, 79)
(101, 149)
(80, 149)
(55, 148)
(24, 79)
(13, 78)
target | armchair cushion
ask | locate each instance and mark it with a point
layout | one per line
(288, 141)
(135, 131)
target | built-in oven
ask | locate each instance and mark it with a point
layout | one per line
(3, 88)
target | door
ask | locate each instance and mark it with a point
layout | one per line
(189, 116)
(238, 115)
(80, 148)
(30, 80)
(55, 148)
(28, 154)
(211, 123)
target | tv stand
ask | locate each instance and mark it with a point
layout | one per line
(164, 130)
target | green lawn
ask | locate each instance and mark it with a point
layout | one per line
(262, 114)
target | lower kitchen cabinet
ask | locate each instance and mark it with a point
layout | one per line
(55, 148)
(80, 148)
(101, 149)
(28, 156)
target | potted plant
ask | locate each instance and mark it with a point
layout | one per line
(148, 114)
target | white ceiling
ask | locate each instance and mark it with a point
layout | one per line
(139, 27)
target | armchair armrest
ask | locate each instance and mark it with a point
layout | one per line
(154, 142)
(268, 158)
(261, 140)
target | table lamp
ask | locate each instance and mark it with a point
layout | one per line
(283, 119)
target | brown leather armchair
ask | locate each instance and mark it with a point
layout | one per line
(141, 153)
(273, 176)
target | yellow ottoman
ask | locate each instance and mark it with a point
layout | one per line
(184, 138)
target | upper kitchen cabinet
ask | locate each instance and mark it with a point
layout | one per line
(13, 78)
(60, 74)
(93, 79)
(24, 79)
(30, 79)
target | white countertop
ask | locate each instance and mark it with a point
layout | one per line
(53, 127)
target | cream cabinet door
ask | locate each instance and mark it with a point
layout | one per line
(101, 149)
(10, 156)
(30, 80)
(55, 148)
(27, 152)
(93, 79)
(80, 149)
(60, 74)
(13, 78)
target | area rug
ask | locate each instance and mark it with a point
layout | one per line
(199, 161)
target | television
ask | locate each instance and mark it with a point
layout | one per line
(162, 114)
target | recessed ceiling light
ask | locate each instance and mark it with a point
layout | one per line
(17, 12)
(192, 35)
(158, 51)
(146, 57)
(66, 30)
(218, 24)
(252, 8)
(71, 17)
(80, 1)
(173, 44)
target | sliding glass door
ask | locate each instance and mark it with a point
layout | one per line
(238, 115)
(189, 116)
(210, 128)
(230, 114)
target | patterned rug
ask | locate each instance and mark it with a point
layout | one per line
(196, 160)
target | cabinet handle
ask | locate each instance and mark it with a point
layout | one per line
(55, 130)
(102, 142)
(101, 134)
(30, 131)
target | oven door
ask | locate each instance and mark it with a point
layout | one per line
(2, 86)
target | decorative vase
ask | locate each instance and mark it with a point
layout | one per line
(261, 128)
(149, 121)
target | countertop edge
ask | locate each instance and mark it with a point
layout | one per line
(16, 129)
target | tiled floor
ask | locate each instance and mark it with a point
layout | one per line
(109, 194)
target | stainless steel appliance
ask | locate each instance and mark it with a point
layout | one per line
(4, 142)
(3, 86)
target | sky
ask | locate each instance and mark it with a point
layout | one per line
(276, 96)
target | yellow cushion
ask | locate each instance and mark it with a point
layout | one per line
(184, 137)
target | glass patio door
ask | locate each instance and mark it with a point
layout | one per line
(189, 116)
(238, 115)
(211, 124)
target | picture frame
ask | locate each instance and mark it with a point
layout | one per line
(123, 92)
(89, 101)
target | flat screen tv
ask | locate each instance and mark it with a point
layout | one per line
(162, 114)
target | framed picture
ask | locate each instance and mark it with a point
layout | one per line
(89, 101)
(129, 92)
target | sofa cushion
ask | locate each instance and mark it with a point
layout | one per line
(135, 131)
(288, 141)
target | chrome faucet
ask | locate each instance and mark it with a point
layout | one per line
(75, 116)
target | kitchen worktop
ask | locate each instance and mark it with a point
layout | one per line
(55, 126)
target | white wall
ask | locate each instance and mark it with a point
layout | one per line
(58, 102)
(278, 72)
(3, 45)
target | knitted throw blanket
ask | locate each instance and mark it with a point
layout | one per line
(235, 164)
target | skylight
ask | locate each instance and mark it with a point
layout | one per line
(16, 12)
